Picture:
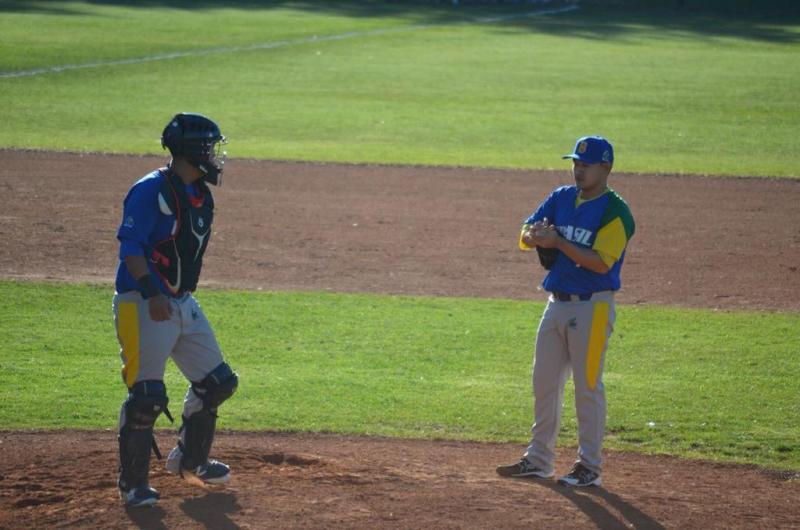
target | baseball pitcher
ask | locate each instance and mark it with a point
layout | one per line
(580, 233)
(166, 225)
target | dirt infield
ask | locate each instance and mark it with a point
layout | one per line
(290, 226)
(439, 231)
(327, 481)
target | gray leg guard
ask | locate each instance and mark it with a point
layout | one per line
(197, 431)
(146, 401)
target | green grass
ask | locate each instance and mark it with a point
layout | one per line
(676, 92)
(688, 382)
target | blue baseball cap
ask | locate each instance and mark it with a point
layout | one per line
(592, 150)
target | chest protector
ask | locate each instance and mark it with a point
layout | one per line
(179, 258)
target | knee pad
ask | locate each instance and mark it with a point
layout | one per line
(146, 401)
(216, 387)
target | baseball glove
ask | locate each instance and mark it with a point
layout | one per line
(547, 256)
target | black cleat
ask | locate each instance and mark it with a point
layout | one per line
(212, 472)
(523, 468)
(138, 496)
(580, 477)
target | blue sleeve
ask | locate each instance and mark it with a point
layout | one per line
(546, 209)
(139, 215)
(130, 248)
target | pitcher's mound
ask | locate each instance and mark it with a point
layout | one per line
(67, 478)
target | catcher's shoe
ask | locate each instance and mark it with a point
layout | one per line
(138, 496)
(523, 468)
(212, 472)
(581, 476)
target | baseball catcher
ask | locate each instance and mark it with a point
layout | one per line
(165, 229)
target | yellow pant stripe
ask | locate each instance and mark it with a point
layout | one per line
(128, 324)
(597, 343)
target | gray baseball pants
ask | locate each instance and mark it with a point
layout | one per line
(572, 337)
(187, 337)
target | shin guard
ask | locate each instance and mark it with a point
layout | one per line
(197, 431)
(146, 401)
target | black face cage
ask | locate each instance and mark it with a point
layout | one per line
(211, 153)
(210, 159)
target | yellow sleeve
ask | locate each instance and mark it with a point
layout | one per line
(611, 241)
(522, 245)
(607, 259)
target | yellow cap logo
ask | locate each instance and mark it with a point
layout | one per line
(582, 148)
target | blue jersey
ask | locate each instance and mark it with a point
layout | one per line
(604, 224)
(145, 222)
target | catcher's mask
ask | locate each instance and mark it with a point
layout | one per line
(199, 140)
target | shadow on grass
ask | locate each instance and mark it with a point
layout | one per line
(763, 20)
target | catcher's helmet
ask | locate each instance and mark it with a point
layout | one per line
(198, 139)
